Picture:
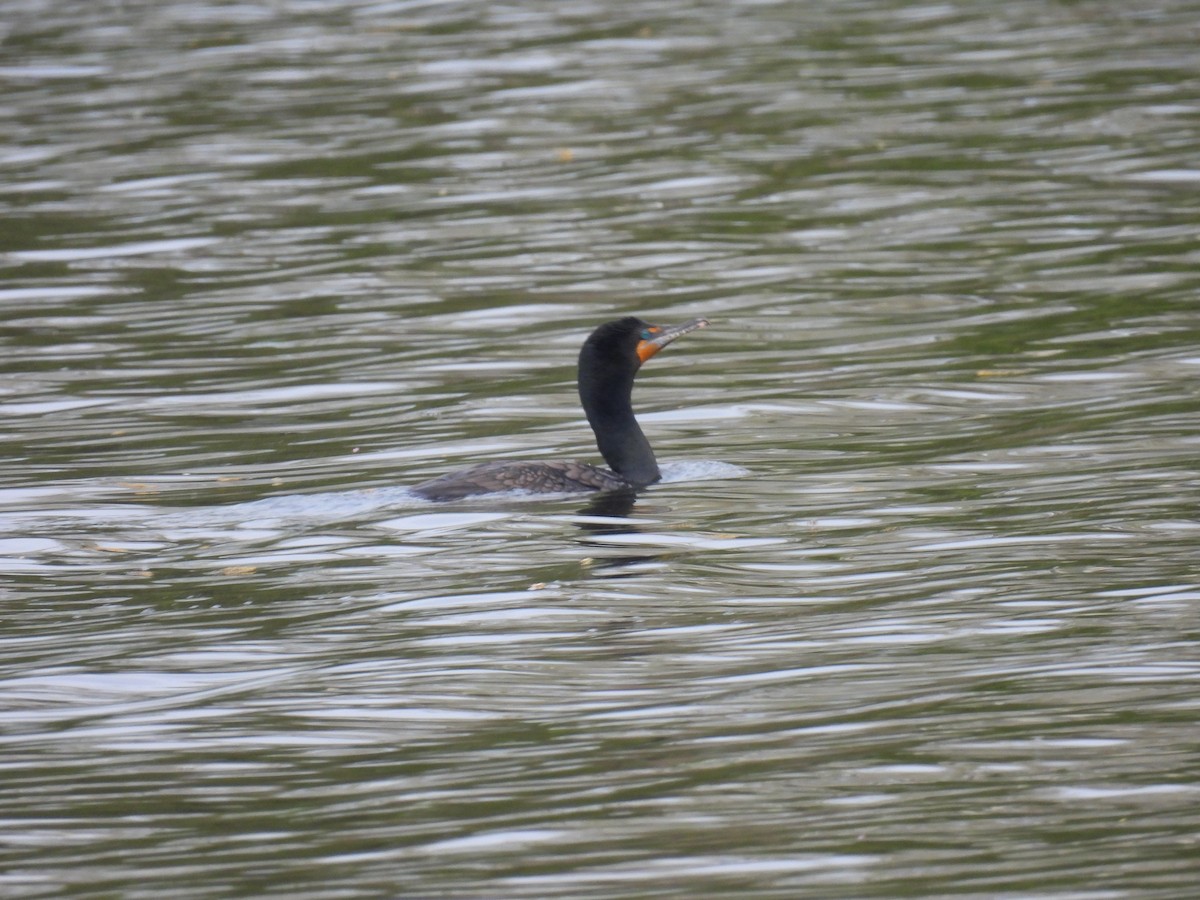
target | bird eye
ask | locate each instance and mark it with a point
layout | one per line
(646, 334)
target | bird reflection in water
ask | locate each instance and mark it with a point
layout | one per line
(607, 514)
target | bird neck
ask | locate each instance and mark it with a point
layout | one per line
(605, 395)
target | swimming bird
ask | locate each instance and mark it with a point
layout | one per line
(610, 358)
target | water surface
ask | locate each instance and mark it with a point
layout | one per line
(913, 613)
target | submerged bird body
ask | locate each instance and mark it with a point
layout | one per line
(554, 477)
(608, 362)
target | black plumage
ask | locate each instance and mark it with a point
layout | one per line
(608, 362)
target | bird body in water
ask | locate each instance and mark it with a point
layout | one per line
(608, 362)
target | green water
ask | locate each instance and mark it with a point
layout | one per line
(913, 613)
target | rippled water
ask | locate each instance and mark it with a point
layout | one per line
(914, 611)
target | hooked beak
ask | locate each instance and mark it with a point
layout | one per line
(661, 335)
